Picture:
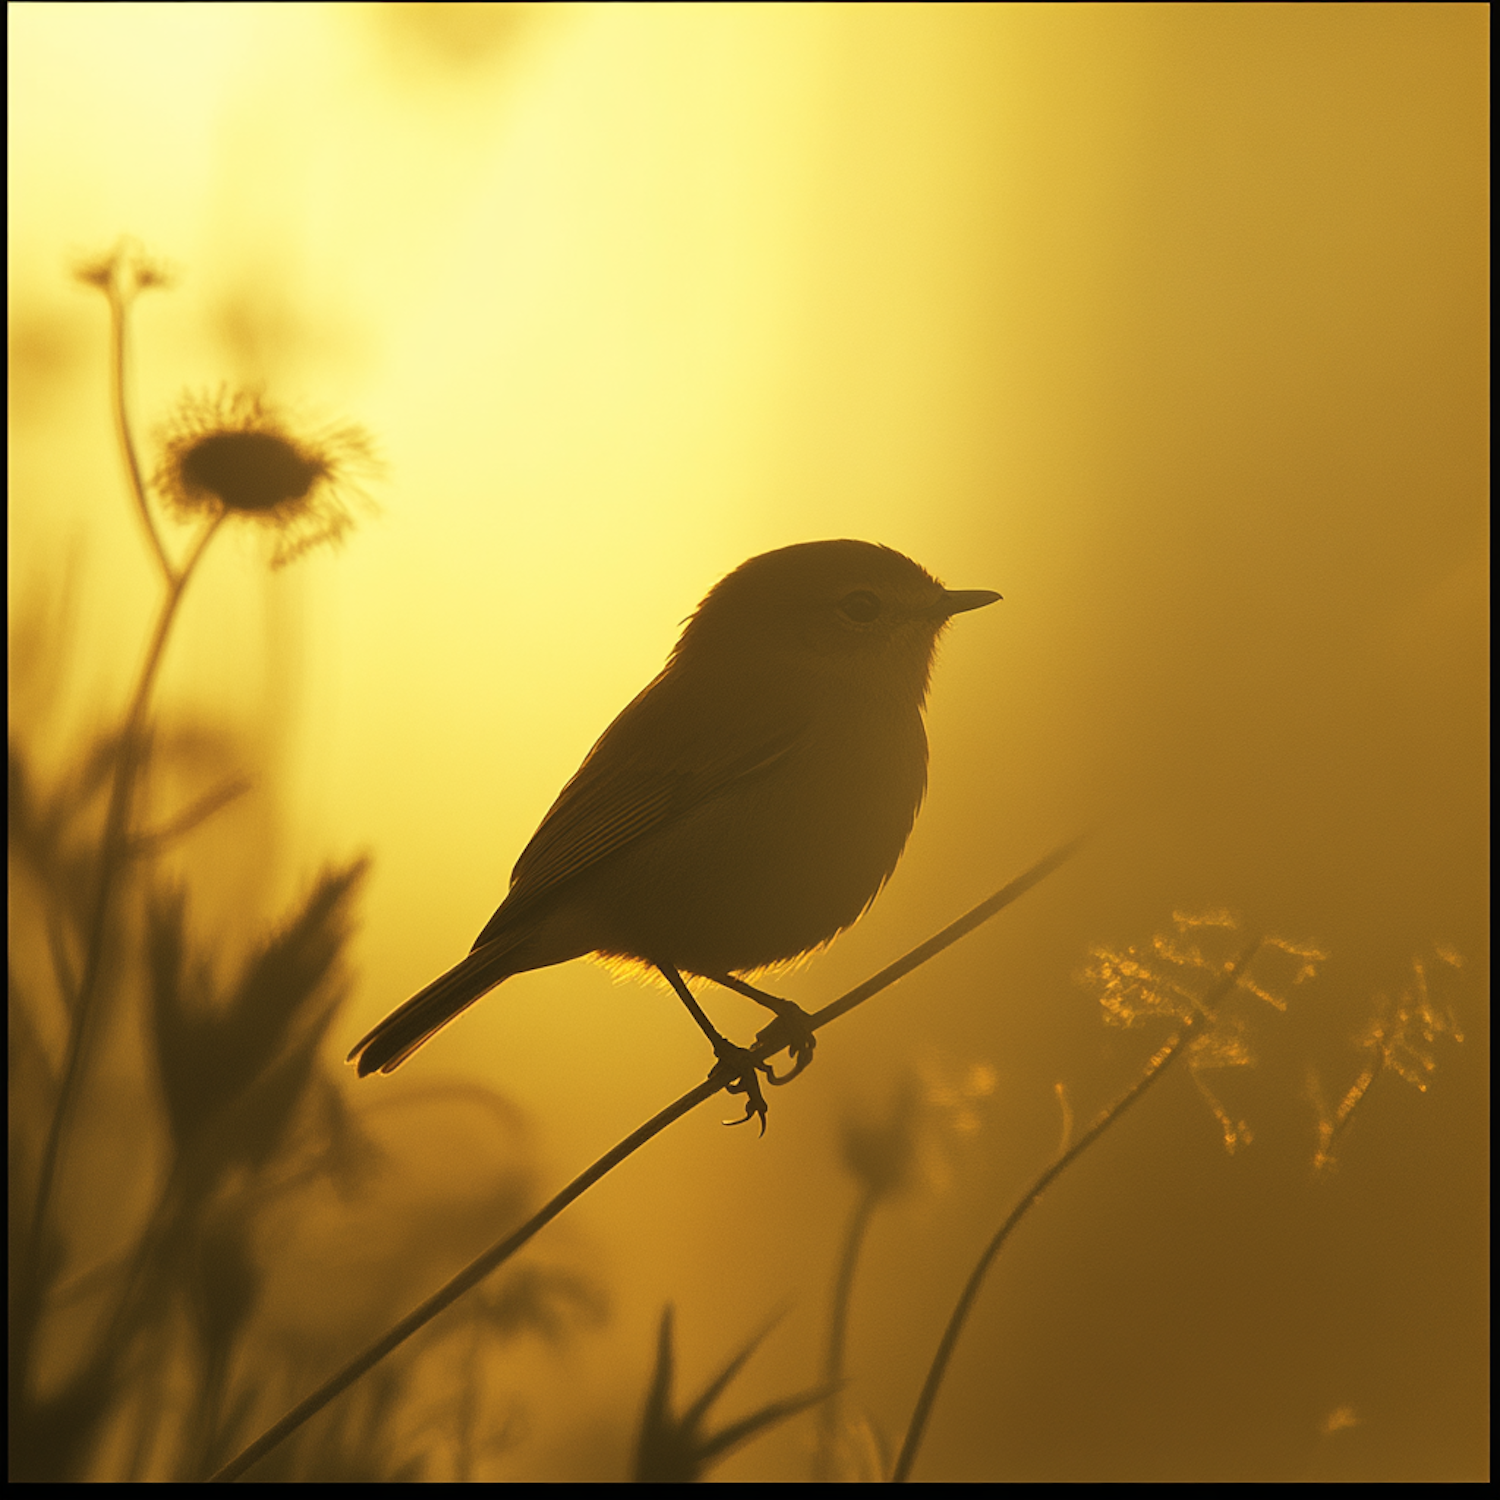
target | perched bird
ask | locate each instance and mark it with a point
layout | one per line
(743, 809)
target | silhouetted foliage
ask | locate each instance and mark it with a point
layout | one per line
(672, 1448)
(137, 1345)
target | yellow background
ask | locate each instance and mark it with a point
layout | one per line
(1166, 321)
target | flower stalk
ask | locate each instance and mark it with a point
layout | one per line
(114, 851)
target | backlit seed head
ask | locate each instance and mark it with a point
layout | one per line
(235, 454)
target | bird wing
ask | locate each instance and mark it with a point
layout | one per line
(667, 752)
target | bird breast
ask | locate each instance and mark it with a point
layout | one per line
(773, 866)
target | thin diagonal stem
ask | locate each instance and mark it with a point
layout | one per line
(949, 935)
(470, 1276)
(1154, 1069)
(499, 1253)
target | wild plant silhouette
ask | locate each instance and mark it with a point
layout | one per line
(166, 1102)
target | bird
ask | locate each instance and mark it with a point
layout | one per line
(742, 810)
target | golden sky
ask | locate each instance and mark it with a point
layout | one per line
(1168, 322)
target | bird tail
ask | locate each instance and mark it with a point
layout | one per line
(421, 1018)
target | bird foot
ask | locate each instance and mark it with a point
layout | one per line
(793, 1030)
(738, 1069)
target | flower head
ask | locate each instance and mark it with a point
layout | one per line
(235, 455)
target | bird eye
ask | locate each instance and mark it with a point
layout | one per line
(861, 606)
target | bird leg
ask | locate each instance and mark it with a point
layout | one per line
(792, 1026)
(737, 1065)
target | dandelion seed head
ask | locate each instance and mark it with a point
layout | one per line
(234, 454)
(249, 471)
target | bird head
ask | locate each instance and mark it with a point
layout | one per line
(833, 617)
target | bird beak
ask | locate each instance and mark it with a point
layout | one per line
(956, 601)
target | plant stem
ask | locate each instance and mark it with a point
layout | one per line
(1154, 1069)
(825, 1462)
(114, 852)
(119, 301)
(472, 1274)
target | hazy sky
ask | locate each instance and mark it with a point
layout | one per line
(1166, 321)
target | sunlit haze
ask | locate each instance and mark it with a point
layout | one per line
(1166, 322)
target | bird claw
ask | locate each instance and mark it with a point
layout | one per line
(738, 1068)
(791, 1029)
